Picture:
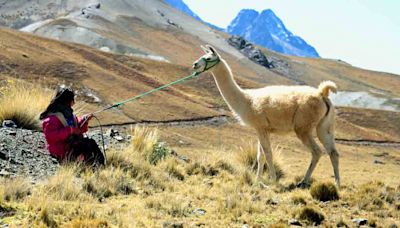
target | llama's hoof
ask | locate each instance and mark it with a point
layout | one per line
(303, 184)
(260, 184)
(337, 184)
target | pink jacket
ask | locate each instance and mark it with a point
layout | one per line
(56, 132)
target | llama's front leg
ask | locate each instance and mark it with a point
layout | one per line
(260, 161)
(266, 149)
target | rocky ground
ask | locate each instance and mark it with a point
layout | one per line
(23, 152)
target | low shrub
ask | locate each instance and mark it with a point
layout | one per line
(325, 191)
(160, 152)
(145, 142)
(311, 216)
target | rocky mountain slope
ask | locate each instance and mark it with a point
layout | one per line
(180, 5)
(267, 30)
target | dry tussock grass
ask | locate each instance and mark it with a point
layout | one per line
(130, 162)
(173, 168)
(14, 189)
(48, 212)
(64, 185)
(23, 102)
(130, 191)
(108, 182)
(247, 157)
(373, 196)
(89, 223)
(299, 198)
(143, 140)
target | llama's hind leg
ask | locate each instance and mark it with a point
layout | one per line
(326, 136)
(316, 153)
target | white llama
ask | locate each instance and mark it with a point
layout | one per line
(278, 109)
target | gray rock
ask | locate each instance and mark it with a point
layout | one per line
(9, 123)
(118, 138)
(199, 211)
(294, 222)
(13, 133)
(3, 155)
(379, 162)
(4, 173)
(272, 201)
(393, 226)
(360, 221)
(112, 133)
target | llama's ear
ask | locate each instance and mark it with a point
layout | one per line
(204, 49)
(212, 49)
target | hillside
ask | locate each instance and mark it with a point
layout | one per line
(156, 30)
(51, 62)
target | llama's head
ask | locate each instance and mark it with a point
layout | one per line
(207, 61)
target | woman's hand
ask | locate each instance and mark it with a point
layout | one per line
(87, 117)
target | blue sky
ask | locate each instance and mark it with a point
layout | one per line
(364, 33)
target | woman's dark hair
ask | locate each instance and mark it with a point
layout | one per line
(62, 96)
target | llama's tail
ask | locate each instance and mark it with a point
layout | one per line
(325, 87)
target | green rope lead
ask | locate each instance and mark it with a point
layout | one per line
(194, 74)
(209, 65)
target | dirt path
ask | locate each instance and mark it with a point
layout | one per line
(365, 142)
(210, 120)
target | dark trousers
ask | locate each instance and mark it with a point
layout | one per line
(88, 148)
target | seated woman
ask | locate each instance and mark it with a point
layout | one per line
(64, 131)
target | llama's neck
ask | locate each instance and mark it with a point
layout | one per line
(229, 89)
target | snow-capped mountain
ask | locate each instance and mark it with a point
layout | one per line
(267, 30)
